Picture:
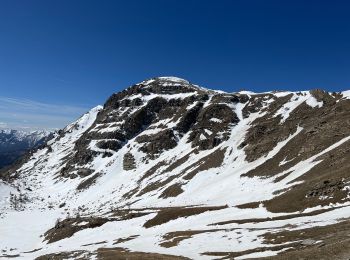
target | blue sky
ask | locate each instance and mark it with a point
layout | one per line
(74, 54)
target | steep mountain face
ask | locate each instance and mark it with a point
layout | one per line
(169, 170)
(14, 143)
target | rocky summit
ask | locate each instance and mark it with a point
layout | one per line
(166, 169)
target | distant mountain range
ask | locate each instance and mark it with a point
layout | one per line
(14, 143)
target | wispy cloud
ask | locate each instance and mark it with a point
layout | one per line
(28, 114)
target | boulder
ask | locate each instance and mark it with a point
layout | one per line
(129, 162)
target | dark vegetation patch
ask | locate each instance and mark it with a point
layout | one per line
(159, 184)
(124, 254)
(165, 215)
(172, 191)
(125, 214)
(322, 127)
(125, 239)
(177, 163)
(327, 242)
(68, 227)
(322, 185)
(250, 205)
(284, 217)
(97, 243)
(9, 256)
(280, 178)
(172, 239)
(266, 131)
(233, 255)
(130, 193)
(327, 188)
(156, 185)
(213, 160)
(79, 255)
(152, 170)
(88, 182)
(32, 251)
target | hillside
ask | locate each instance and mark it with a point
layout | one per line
(169, 170)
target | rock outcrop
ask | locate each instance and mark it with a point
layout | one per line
(128, 162)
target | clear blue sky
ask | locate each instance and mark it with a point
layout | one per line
(76, 53)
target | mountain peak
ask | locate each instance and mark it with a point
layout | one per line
(168, 85)
(167, 80)
(162, 86)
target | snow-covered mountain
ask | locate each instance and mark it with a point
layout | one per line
(14, 143)
(170, 170)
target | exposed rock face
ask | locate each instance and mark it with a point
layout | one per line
(129, 162)
(156, 143)
(159, 102)
(212, 127)
(83, 172)
(189, 118)
(166, 164)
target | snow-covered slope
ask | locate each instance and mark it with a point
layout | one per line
(170, 169)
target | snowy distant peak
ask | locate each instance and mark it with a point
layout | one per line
(18, 135)
(7, 131)
(11, 139)
(167, 80)
(15, 143)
